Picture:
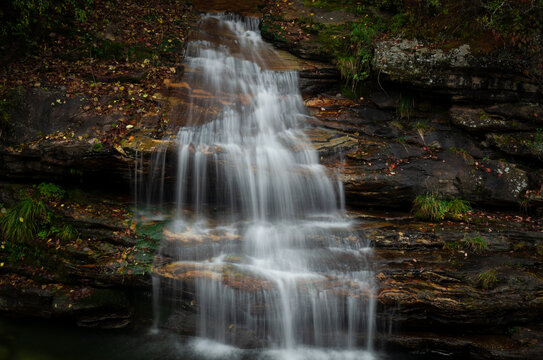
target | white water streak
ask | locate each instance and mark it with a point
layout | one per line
(252, 159)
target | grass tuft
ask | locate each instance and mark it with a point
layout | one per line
(429, 207)
(457, 208)
(433, 208)
(20, 224)
(488, 279)
(51, 192)
(405, 106)
(476, 244)
(68, 233)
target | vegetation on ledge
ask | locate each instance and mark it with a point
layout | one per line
(348, 30)
(53, 231)
(432, 207)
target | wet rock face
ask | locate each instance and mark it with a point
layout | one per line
(87, 306)
(52, 139)
(315, 81)
(432, 281)
(389, 160)
(477, 120)
(38, 112)
(513, 128)
(89, 279)
(457, 72)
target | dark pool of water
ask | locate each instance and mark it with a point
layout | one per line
(47, 340)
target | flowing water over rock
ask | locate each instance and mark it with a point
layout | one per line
(259, 250)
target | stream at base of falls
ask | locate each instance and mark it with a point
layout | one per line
(258, 252)
(48, 340)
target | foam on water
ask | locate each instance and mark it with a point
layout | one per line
(307, 353)
(209, 349)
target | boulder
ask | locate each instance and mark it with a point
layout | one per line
(458, 72)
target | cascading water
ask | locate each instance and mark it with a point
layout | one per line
(259, 247)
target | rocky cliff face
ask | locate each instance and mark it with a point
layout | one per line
(444, 122)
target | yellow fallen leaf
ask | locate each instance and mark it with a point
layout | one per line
(120, 149)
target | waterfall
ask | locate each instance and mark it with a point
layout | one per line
(260, 248)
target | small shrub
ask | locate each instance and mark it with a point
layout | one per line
(488, 279)
(51, 192)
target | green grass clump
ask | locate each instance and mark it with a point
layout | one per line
(432, 207)
(476, 244)
(21, 223)
(97, 147)
(429, 207)
(67, 232)
(457, 208)
(351, 47)
(27, 225)
(51, 192)
(405, 107)
(488, 279)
